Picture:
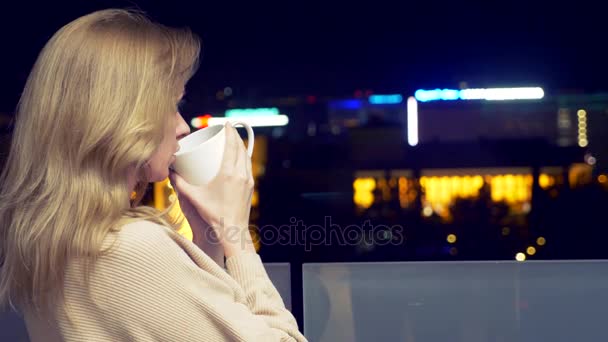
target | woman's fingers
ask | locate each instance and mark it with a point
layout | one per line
(230, 149)
(249, 166)
(240, 165)
(179, 184)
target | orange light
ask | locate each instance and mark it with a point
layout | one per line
(602, 179)
(363, 191)
(205, 120)
(255, 198)
(544, 181)
(201, 121)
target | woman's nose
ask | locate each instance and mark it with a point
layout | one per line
(182, 129)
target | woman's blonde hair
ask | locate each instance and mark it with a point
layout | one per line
(94, 107)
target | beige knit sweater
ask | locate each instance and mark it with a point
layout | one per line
(158, 286)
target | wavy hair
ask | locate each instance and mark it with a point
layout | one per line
(93, 108)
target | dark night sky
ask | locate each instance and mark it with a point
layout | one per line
(301, 47)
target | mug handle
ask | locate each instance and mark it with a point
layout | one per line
(250, 136)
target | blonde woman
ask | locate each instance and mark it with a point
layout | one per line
(96, 122)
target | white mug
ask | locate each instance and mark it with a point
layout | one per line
(200, 154)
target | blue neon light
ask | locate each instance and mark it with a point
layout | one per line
(489, 94)
(345, 104)
(386, 99)
(437, 94)
(245, 112)
(450, 94)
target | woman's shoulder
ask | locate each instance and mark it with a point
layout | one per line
(142, 230)
(140, 239)
(138, 252)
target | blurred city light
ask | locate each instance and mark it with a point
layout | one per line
(256, 117)
(255, 198)
(544, 181)
(502, 94)
(520, 257)
(451, 238)
(200, 121)
(386, 99)
(437, 94)
(582, 128)
(311, 99)
(404, 193)
(531, 250)
(412, 121)
(440, 192)
(490, 94)
(541, 241)
(345, 104)
(363, 191)
(246, 112)
(254, 121)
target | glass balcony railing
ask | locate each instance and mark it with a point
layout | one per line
(456, 301)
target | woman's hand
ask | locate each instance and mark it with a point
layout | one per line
(225, 202)
(203, 234)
